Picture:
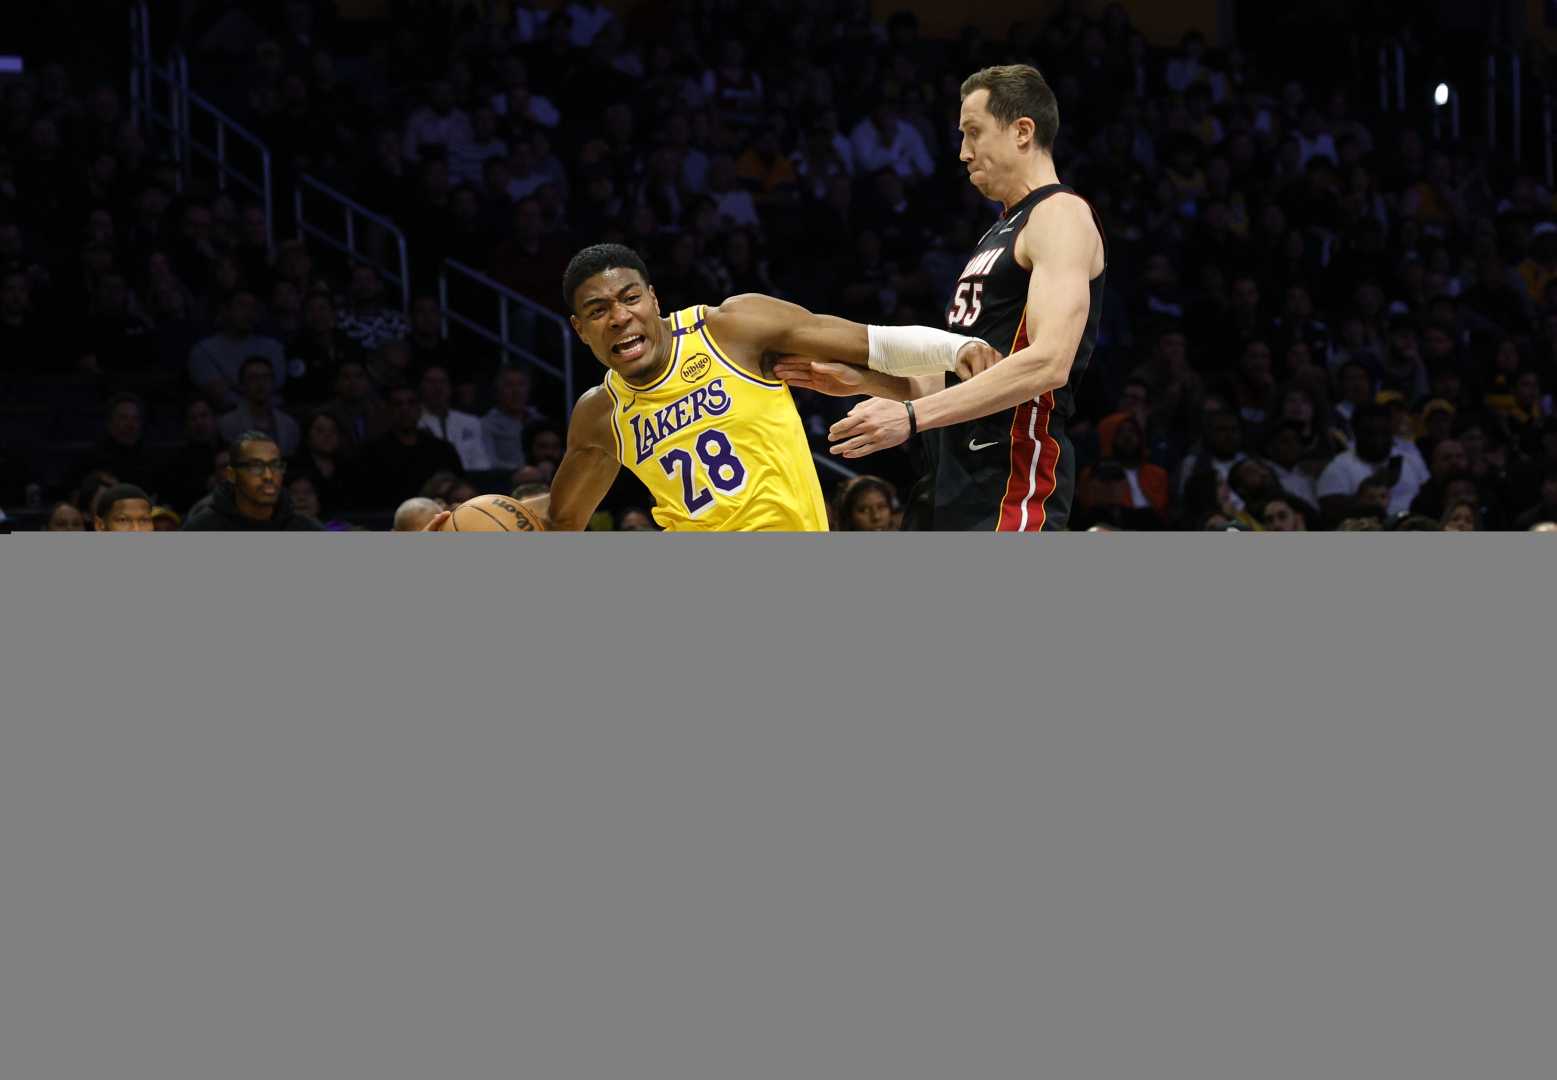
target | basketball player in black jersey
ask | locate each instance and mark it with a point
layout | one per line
(1033, 290)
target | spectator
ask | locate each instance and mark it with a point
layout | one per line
(24, 342)
(1461, 516)
(1403, 370)
(1356, 386)
(448, 489)
(518, 106)
(251, 497)
(214, 363)
(1284, 456)
(391, 363)
(189, 467)
(365, 318)
(636, 519)
(1223, 448)
(324, 460)
(1124, 443)
(1108, 500)
(317, 352)
(428, 346)
(414, 514)
(399, 462)
(437, 126)
(459, 429)
(305, 497)
(122, 450)
(543, 448)
(866, 504)
(1372, 454)
(117, 337)
(123, 508)
(358, 412)
(1437, 424)
(735, 206)
(1252, 481)
(503, 426)
(1546, 509)
(257, 411)
(166, 519)
(1539, 268)
(1282, 513)
(884, 140)
(64, 518)
(467, 160)
(530, 262)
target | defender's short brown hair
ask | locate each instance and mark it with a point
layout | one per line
(1015, 91)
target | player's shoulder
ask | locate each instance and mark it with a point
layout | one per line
(747, 315)
(736, 307)
(591, 419)
(1064, 207)
(1064, 222)
(593, 403)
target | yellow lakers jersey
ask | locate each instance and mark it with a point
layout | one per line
(720, 449)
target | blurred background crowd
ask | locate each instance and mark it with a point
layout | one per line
(1326, 309)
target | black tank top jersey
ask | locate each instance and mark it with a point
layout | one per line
(1014, 470)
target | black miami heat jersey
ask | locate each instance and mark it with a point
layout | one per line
(1013, 471)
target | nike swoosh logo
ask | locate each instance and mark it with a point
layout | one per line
(982, 445)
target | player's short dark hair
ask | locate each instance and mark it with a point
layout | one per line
(597, 259)
(1015, 91)
(104, 503)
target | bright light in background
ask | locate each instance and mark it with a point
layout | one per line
(1441, 94)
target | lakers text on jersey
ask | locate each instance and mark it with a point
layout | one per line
(719, 448)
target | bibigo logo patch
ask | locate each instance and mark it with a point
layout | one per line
(696, 367)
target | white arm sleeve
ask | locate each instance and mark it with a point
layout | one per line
(914, 350)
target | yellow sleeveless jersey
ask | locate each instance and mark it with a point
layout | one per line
(720, 449)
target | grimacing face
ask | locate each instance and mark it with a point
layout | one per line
(618, 316)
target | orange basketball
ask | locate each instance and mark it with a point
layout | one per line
(493, 513)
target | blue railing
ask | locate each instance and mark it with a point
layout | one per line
(363, 244)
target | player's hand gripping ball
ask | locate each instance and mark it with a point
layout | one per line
(488, 513)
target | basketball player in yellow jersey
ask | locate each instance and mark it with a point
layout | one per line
(686, 405)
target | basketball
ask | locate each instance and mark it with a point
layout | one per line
(493, 513)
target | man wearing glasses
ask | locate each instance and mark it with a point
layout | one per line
(254, 497)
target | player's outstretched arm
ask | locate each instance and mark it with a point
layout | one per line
(766, 326)
(588, 469)
(845, 380)
(1058, 301)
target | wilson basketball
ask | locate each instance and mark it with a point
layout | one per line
(493, 513)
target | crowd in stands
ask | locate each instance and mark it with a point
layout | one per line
(1318, 317)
